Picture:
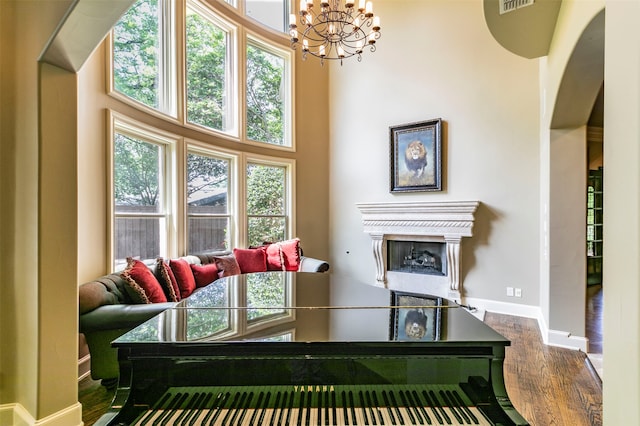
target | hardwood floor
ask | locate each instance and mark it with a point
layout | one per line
(547, 385)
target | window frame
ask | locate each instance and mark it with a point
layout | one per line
(127, 126)
(245, 28)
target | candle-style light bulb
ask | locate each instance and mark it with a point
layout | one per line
(361, 4)
(376, 23)
(340, 52)
(372, 38)
(369, 9)
(292, 20)
(305, 45)
(303, 7)
(359, 46)
(321, 51)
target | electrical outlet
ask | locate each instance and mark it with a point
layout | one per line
(518, 292)
(510, 291)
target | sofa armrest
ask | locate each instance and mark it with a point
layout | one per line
(108, 317)
(310, 264)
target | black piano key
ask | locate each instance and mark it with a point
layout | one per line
(319, 395)
(413, 407)
(376, 404)
(246, 406)
(363, 408)
(191, 408)
(231, 408)
(159, 404)
(472, 417)
(451, 405)
(300, 408)
(283, 408)
(275, 408)
(309, 408)
(191, 418)
(327, 420)
(458, 407)
(394, 404)
(174, 405)
(215, 411)
(352, 406)
(372, 408)
(265, 407)
(403, 398)
(257, 410)
(438, 406)
(431, 404)
(420, 404)
(387, 403)
(345, 408)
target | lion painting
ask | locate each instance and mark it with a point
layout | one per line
(415, 157)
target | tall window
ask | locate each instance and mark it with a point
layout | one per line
(140, 225)
(266, 203)
(209, 77)
(208, 208)
(267, 94)
(172, 195)
(145, 57)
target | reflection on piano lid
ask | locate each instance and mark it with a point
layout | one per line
(217, 358)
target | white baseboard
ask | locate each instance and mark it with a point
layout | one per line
(557, 338)
(17, 415)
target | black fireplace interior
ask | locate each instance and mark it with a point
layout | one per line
(417, 257)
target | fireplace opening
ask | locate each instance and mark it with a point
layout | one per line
(417, 257)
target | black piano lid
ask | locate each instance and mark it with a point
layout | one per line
(307, 310)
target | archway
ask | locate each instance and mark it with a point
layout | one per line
(579, 88)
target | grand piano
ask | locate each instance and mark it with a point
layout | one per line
(283, 348)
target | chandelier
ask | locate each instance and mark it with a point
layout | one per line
(334, 33)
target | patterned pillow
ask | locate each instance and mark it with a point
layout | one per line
(184, 277)
(227, 265)
(204, 274)
(142, 285)
(167, 280)
(251, 260)
(284, 255)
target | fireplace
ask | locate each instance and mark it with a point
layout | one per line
(416, 245)
(416, 257)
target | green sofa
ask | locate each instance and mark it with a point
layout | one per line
(107, 311)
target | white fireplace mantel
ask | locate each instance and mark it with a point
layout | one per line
(446, 221)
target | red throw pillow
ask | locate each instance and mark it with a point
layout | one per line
(227, 265)
(204, 274)
(284, 255)
(142, 282)
(251, 260)
(167, 280)
(184, 276)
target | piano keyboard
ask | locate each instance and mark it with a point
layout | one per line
(314, 405)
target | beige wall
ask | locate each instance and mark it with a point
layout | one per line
(621, 273)
(440, 60)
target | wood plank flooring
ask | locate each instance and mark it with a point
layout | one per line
(546, 384)
(549, 386)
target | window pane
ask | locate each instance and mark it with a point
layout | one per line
(137, 178)
(266, 209)
(265, 290)
(208, 234)
(136, 64)
(265, 189)
(265, 96)
(207, 184)
(207, 85)
(266, 229)
(207, 196)
(269, 12)
(137, 237)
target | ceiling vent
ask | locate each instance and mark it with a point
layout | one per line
(511, 5)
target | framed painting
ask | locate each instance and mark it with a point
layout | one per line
(416, 156)
(415, 317)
